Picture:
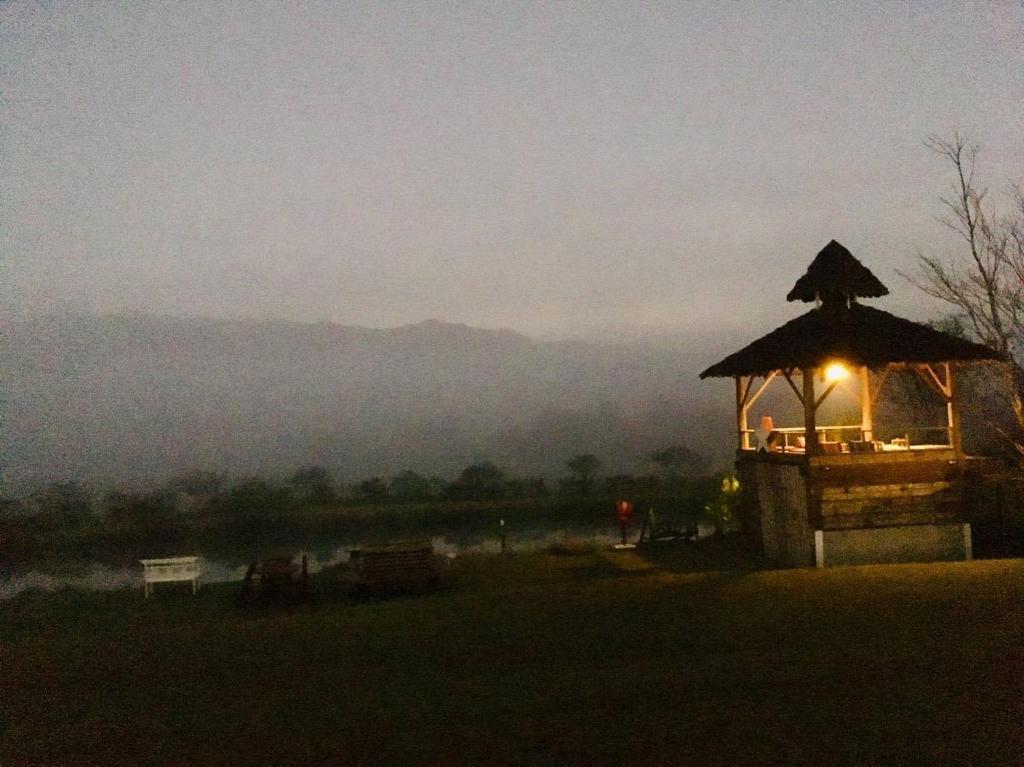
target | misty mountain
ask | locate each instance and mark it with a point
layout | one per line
(133, 399)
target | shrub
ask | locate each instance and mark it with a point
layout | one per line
(571, 547)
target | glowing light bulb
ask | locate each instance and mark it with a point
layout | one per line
(837, 371)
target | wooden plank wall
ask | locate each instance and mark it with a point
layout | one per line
(860, 494)
(749, 513)
(782, 497)
(853, 470)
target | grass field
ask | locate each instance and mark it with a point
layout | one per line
(680, 655)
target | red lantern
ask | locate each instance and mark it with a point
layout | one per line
(624, 511)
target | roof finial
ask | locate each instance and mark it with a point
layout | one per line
(836, 277)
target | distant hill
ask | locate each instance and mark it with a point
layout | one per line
(136, 398)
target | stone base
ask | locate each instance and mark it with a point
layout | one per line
(885, 545)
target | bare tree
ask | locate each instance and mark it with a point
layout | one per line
(984, 280)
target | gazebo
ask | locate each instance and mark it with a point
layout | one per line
(832, 493)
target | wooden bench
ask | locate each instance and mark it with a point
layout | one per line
(669, 533)
(170, 570)
(403, 564)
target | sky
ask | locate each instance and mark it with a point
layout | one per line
(562, 169)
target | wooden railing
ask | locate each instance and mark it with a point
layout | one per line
(831, 439)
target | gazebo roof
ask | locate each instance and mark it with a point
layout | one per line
(835, 272)
(858, 335)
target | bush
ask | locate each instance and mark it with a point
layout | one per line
(252, 499)
(571, 547)
(140, 512)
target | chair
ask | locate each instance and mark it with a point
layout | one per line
(278, 577)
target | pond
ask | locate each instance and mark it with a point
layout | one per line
(325, 552)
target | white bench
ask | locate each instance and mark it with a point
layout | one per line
(171, 569)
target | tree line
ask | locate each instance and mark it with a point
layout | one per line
(671, 472)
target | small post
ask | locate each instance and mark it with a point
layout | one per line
(648, 527)
(953, 413)
(502, 536)
(624, 511)
(968, 543)
(1002, 516)
(819, 548)
(866, 418)
(741, 413)
(810, 428)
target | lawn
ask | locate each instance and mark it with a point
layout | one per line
(678, 655)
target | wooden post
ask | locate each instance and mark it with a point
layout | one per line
(741, 413)
(866, 420)
(953, 413)
(810, 432)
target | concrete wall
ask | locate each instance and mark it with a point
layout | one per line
(916, 543)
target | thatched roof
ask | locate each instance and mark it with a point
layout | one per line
(835, 273)
(858, 336)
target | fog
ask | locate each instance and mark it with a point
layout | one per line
(205, 208)
(131, 401)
